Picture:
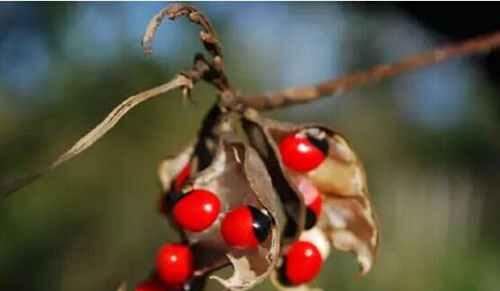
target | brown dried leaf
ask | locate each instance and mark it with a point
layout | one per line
(348, 217)
(118, 112)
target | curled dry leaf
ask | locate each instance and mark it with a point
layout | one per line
(179, 82)
(118, 112)
(238, 177)
(347, 217)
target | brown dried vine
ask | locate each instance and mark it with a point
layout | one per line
(345, 83)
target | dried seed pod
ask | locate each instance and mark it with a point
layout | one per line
(238, 177)
(293, 203)
(347, 217)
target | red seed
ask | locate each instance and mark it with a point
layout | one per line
(197, 210)
(303, 263)
(174, 264)
(316, 206)
(299, 154)
(245, 227)
(182, 177)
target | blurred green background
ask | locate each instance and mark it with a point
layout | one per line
(430, 139)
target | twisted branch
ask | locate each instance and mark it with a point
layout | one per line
(337, 86)
(208, 37)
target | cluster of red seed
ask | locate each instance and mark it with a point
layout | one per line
(244, 227)
(301, 153)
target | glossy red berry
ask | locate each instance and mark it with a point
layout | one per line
(299, 153)
(196, 210)
(302, 263)
(150, 285)
(245, 227)
(182, 177)
(312, 199)
(174, 264)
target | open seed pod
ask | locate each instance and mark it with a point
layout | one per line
(347, 216)
(238, 177)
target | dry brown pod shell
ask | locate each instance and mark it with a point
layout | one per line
(348, 217)
(237, 176)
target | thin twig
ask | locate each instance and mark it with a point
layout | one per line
(337, 86)
(208, 35)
